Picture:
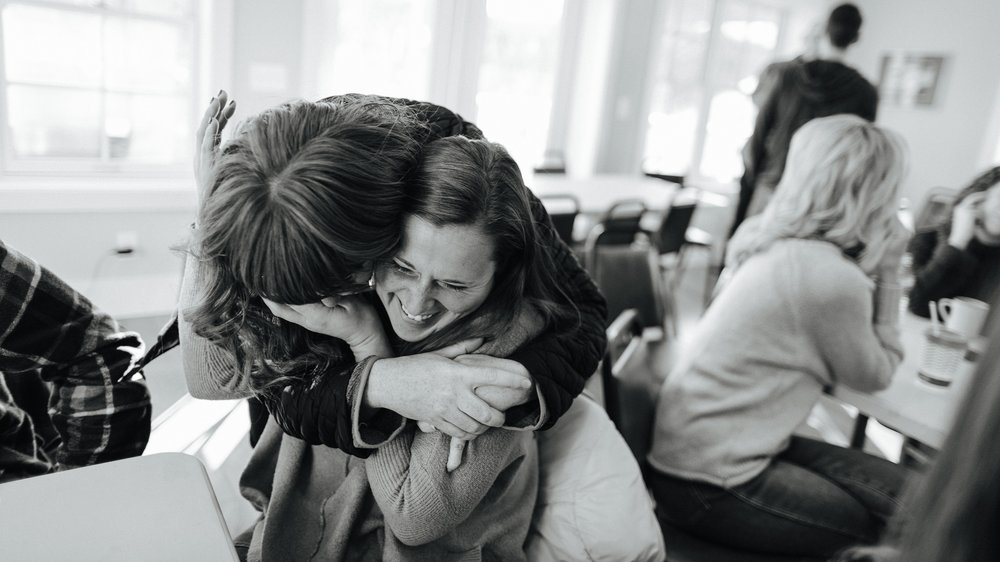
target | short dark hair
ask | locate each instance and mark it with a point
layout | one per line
(843, 25)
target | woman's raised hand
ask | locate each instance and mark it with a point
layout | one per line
(964, 218)
(350, 318)
(207, 138)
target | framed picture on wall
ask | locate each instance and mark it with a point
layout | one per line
(910, 79)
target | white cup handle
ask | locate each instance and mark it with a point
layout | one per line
(944, 309)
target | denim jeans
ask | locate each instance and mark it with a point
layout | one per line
(814, 499)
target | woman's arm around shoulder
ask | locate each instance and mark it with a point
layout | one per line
(561, 359)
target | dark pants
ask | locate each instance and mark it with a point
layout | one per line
(814, 499)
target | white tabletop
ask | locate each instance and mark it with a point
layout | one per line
(598, 193)
(159, 507)
(911, 406)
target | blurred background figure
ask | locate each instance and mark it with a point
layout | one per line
(791, 93)
(953, 511)
(961, 257)
(800, 312)
(98, 410)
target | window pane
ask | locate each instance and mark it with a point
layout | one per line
(678, 88)
(147, 129)
(147, 56)
(49, 122)
(177, 8)
(748, 35)
(392, 57)
(517, 76)
(51, 46)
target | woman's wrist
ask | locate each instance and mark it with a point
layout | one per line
(373, 344)
(377, 391)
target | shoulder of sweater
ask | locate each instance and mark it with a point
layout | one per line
(819, 265)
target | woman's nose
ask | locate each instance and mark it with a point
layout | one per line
(416, 297)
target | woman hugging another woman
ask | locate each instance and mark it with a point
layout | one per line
(468, 272)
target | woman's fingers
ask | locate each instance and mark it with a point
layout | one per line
(283, 311)
(460, 348)
(426, 427)
(455, 451)
(211, 112)
(226, 114)
(452, 430)
(477, 409)
(496, 372)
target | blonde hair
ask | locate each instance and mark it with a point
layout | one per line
(839, 185)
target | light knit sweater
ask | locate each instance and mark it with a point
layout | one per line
(793, 319)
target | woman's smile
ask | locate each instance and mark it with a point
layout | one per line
(441, 274)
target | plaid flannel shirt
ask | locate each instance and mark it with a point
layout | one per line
(100, 404)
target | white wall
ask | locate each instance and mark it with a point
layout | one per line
(951, 141)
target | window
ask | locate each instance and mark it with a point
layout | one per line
(711, 54)
(100, 85)
(517, 75)
(391, 58)
(493, 61)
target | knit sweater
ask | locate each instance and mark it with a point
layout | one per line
(318, 502)
(792, 320)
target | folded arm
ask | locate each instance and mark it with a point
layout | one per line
(56, 331)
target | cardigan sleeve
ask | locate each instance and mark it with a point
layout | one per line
(420, 500)
(939, 270)
(860, 348)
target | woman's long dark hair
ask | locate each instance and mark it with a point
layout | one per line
(474, 182)
(305, 196)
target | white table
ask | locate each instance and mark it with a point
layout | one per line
(158, 507)
(910, 406)
(597, 194)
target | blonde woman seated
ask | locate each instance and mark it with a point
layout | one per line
(812, 301)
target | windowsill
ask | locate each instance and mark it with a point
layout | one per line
(26, 194)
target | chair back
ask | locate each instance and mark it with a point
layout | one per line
(563, 210)
(621, 222)
(672, 234)
(630, 384)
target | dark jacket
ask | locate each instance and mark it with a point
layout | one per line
(797, 91)
(942, 271)
(560, 360)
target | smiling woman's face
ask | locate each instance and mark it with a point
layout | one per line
(439, 275)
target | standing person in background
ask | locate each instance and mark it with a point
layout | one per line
(960, 258)
(50, 333)
(790, 94)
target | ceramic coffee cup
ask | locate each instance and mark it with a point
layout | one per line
(963, 315)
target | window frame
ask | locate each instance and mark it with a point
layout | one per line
(64, 169)
(710, 84)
